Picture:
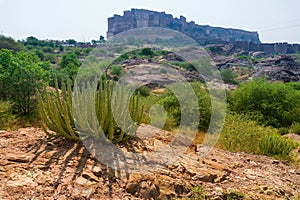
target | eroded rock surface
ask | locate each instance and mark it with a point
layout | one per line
(33, 166)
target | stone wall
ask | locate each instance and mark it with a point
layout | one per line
(268, 48)
(140, 18)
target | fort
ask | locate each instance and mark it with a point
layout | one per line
(140, 18)
(204, 34)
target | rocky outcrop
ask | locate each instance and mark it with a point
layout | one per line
(140, 18)
(280, 68)
(33, 166)
(283, 68)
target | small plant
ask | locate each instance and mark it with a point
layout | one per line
(277, 146)
(233, 195)
(198, 193)
(163, 71)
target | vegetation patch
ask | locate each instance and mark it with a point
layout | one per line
(276, 146)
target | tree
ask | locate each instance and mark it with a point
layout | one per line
(5, 61)
(147, 52)
(69, 66)
(24, 73)
(94, 42)
(71, 42)
(32, 41)
(61, 48)
(11, 44)
(101, 39)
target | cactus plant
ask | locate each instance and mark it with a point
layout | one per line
(91, 110)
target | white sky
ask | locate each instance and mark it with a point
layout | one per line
(275, 20)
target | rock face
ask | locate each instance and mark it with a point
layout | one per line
(140, 18)
(280, 68)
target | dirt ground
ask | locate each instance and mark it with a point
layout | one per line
(33, 166)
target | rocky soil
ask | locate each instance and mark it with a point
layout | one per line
(284, 68)
(33, 166)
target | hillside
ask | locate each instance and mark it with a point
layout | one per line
(33, 166)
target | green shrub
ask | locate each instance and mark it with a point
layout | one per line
(163, 71)
(147, 52)
(184, 65)
(198, 193)
(144, 91)
(6, 115)
(295, 128)
(294, 85)
(175, 111)
(228, 76)
(276, 145)
(233, 195)
(122, 58)
(274, 104)
(283, 130)
(241, 134)
(116, 70)
(90, 113)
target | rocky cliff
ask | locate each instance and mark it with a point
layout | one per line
(140, 18)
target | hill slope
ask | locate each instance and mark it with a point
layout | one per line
(33, 166)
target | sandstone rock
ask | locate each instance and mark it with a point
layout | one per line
(132, 188)
(148, 190)
(258, 54)
(81, 177)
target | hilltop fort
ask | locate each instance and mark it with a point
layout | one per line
(204, 34)
(140, 18)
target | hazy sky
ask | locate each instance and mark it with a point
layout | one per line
(275, 20)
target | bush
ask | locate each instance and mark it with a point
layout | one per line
(185, 65)
(233, 195)
(198, 193)
(6, 115)
(22, 73)
(116, 70)
(276, 146)
(283, 130)
(274, 104)
(175, 111)
(295, 128)
(228, 76)
(242, 134)
(147, 52)
(144, 91)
